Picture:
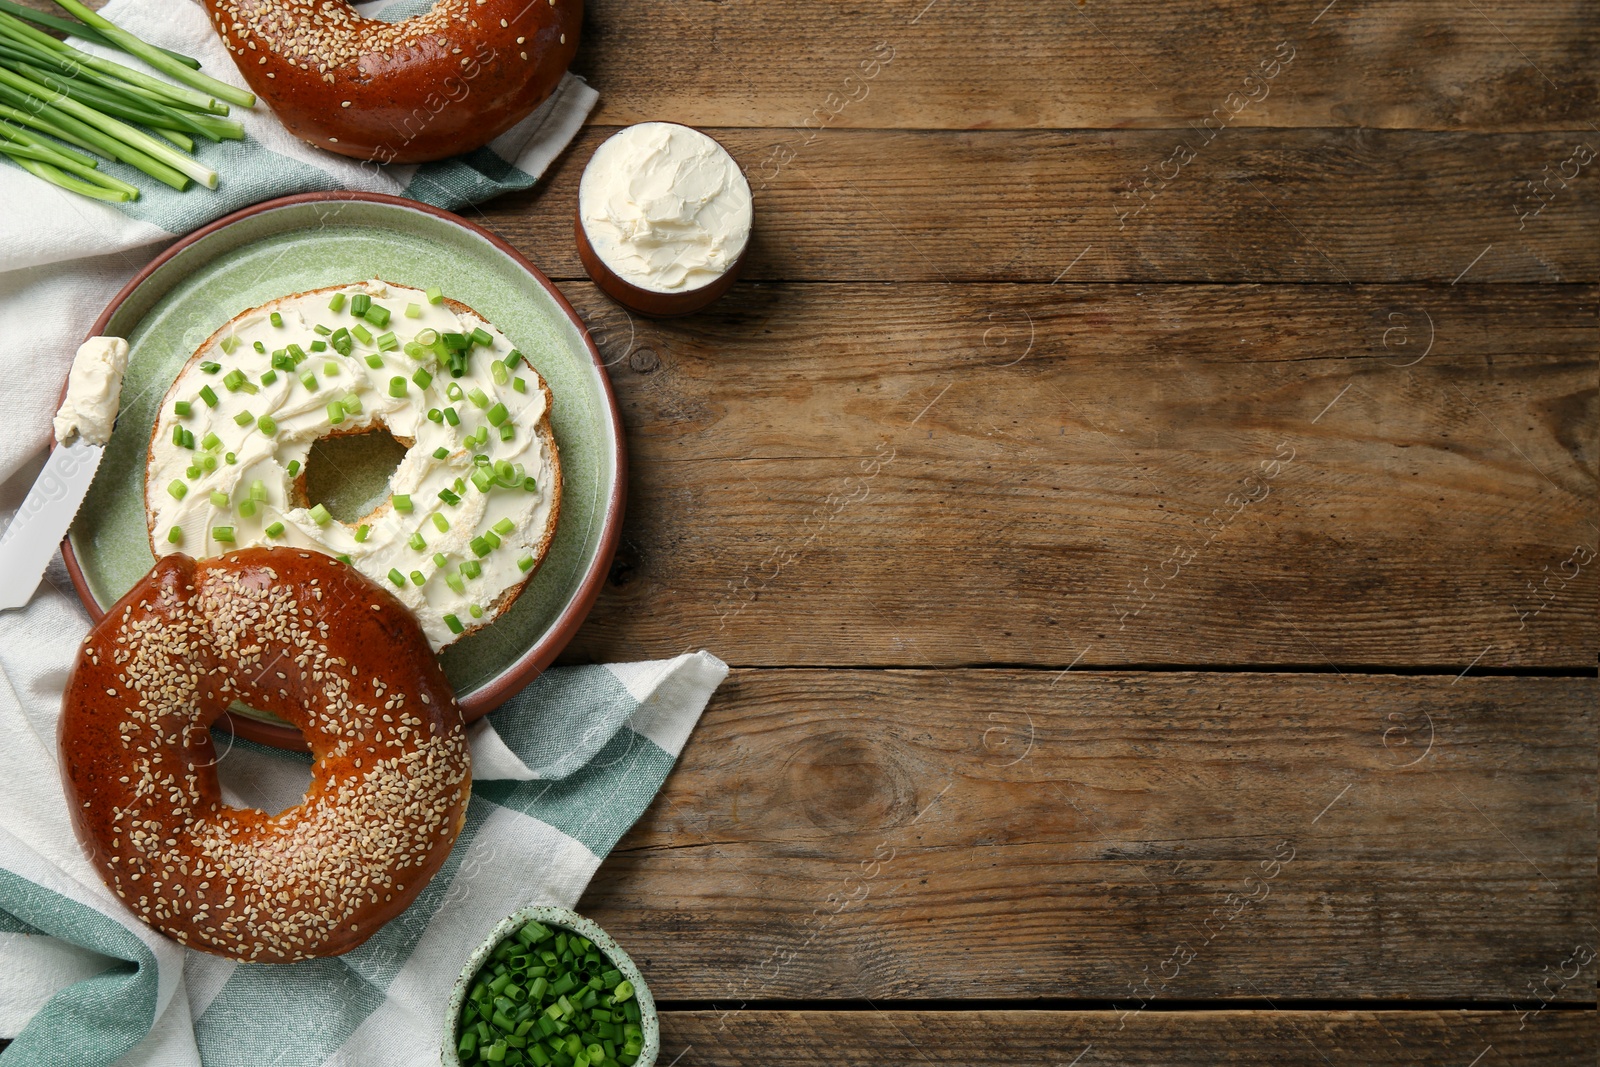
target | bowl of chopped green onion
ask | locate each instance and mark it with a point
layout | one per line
(550, 988)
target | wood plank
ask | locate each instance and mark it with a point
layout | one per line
(1093, 1039)
(841, 474)
(1017, 834)
(957, 64)
(1026, 64)
(1336, 206)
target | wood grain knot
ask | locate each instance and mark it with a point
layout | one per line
(845, 783)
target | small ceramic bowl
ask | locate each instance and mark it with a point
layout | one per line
(649, 302)
(571, 922)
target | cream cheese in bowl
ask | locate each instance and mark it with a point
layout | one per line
(665, 208)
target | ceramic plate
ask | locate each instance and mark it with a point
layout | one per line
(305, 242)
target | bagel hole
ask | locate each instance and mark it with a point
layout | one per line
(349, 473)
(251, 777)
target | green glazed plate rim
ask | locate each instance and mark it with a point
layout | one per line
(543, 651)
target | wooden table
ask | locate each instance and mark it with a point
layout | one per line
(1147, 492)
(1146, 487)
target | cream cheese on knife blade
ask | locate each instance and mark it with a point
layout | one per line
(235, 431)
(94, 391)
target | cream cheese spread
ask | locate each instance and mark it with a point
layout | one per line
(665, 207)
(94, 390)
(464, 523)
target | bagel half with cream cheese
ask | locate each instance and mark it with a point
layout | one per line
(472, 507)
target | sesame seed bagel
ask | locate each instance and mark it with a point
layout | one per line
(434, 85)
(310, 640)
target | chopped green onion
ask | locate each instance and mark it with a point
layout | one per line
(497, 371)
(319, 515)
(450, 415)
(346, 560)
(244, 418)
(336, 303)
(525, 564)
(413, 311)
(401, 502)
(233, 380)
(208, 395)
(297, 353)
(504, 527)
(361, 532)
(441, 453)
(471, 568)
(449, 497)
(378, 315)
(277, 319)
(513, 359)
(480, 547)
(414, 350)
(359, 304)
(455, 628)
(388, 342)
(453, 391)
(269, 376)
(336, 413)
(492, 538)
(222, 533)
(181, 408)
(309, 380)
(267, 425)
(417, 578)
(321, 330)
(417, 542)
(507, 432)
(397, 386)
(330, 368)
(477, 613)
(455, 583)
(351, 404)
(192, 472)
(210, 442)
(440, 561)
(456, 342)
(363, 334)
(483, 480)
(435, 415)
(483, 337)
(175, 536)
(210, 367)
(247, 508)
(435, 296)
(519, 385)
(342, 342)
(441, 522)
(497, 414)
(178, 490)
(375, 362)
(230, 457)
(422, 378)
(275, 530)
(208, 462)
(294, 467)
(396, 577)
(319, 346)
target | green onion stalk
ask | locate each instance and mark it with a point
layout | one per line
(49, 89)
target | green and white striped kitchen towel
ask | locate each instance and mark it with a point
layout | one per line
(62, 257)
(559, 774)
